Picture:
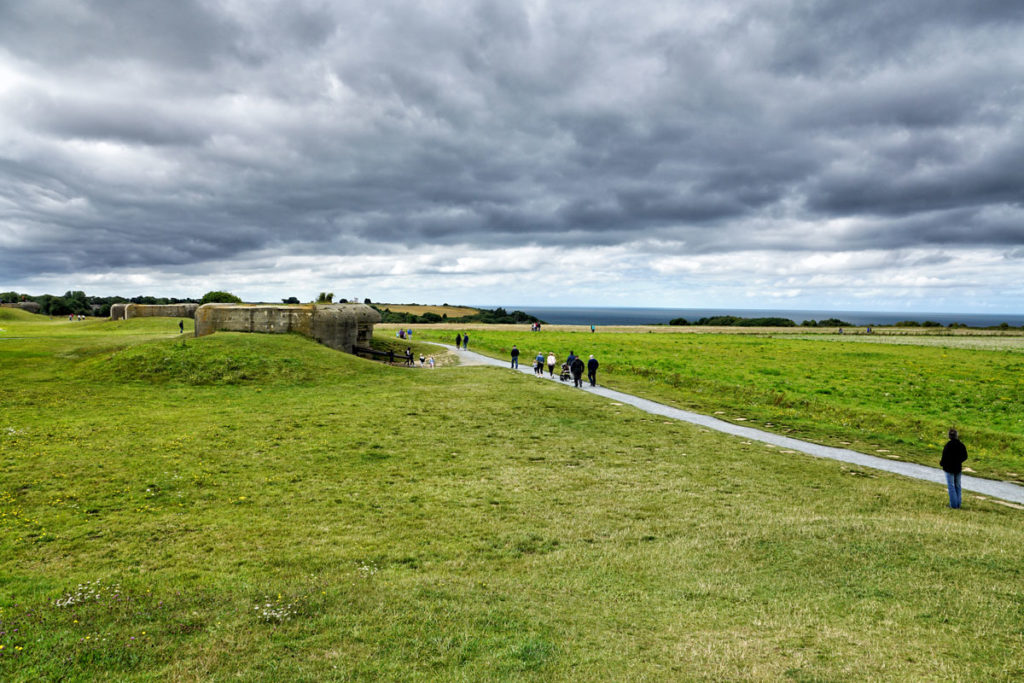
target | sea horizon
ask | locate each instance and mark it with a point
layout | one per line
(612, 315)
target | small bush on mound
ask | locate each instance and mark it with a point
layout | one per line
(220, 298)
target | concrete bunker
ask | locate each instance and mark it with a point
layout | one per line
(339, 326)
(30, 306)
(128, 311)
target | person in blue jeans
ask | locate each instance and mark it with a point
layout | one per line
(954, 453)
(515, 357)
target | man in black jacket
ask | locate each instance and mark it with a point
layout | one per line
(953, 455)
(592, 370)
(576, 368)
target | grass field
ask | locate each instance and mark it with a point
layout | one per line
(264, 508)
(864, 392)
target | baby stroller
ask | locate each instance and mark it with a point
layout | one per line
(565, 375)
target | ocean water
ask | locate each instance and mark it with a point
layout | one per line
(660, 316)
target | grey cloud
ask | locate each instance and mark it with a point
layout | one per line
(90, 118)
(182, 34)
(994, 179)
(841, 39)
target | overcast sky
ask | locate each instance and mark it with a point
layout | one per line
(751, 154)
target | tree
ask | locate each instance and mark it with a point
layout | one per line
(325, 298)
(291, 300)
(55, 305)
(219, 298)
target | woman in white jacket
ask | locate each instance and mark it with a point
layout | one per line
(551, 363)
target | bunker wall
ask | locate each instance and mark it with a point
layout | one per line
(266, 319)
(30, 306)
(339, 326)
(151, 311)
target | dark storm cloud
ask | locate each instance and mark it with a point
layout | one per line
(100, 119)
(198, 132)
(58, 34)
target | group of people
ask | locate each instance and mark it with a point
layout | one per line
(462, 341)
(403, 334)
(572, 367)
(424, 360)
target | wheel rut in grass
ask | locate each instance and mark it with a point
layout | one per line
(997, 489)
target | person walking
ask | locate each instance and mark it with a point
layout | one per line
(592, 370)
(515, 357)
(551, 363)
(954, 453)
(576, 368)
(181, 327)
(538, 364)
(458, 340)
(465, 341)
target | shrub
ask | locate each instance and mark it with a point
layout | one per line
(734, 321)
(219, 298)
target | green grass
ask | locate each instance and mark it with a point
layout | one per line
(892, 400)
(260, 507)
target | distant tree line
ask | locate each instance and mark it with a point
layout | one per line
(78, 302)
(495, 316)
(735, 321)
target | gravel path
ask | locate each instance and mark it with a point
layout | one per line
(989, 487)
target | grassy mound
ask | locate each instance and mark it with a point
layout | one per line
(223, 359)
(17, 314)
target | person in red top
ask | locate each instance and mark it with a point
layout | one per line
(954, 453)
